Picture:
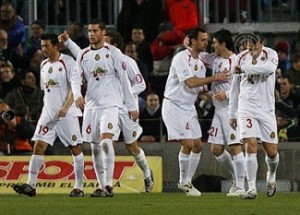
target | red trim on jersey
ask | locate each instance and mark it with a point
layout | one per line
(63, 63)
(85, 51)
(230, 64)
(266, 53)
(243, 55)
(43, 64)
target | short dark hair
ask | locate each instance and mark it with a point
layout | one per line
(193, 34)
(99, 22)
(50, 36)
(115, 38)
(225, 36)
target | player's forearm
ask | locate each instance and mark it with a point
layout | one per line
(267, 68)
(73, 47)
(198, 82)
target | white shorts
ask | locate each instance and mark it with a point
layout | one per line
(261, 125)
(220, 131)
(131, 130)
(180, 123)
(68, 131)
(99, 121)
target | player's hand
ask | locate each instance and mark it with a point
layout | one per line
(186, 43)
(238, 70)
(62, 112)
(220, 96)
(233, 123)
(63, 37)
(222, 76)
(134, 115)
(80, 103)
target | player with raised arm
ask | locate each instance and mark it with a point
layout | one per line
(221, 132)
(252, 96)
(186, 79)
(59, 117)
(104, 69)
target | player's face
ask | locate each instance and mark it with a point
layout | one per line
(96, 34)
(48, 48)
(254, 48)
(218, 47)
(201, 42)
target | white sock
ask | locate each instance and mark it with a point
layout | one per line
(98, 164)
(109, 159)
(35, 164)
(251, 167)
(140, 159)
(78, 170)
(184, 161)
(226, 161)
(272, 167)
(193, 165)
(239, 169)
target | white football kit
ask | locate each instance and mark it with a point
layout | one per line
(103, 69)
(178, 109)
(55, 81)
(252, 94)
(220, 131)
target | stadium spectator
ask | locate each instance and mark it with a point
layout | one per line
(16, 130)
(294, 73)
(8, 79)
(142, 45)
(27, 94)
(34, 58)
(76, 33)
(14, 26)
(37, 28)
(140, 12)
(163, 47)
(150, 119)
(284, 62)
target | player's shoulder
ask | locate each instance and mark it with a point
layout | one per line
(128, 59)
(182, 54)
(66, 57)
(269, 50)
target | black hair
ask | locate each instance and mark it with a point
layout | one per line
(193, 34)
(225, 36)
(99, 22)
(115, 38)
(50, 36)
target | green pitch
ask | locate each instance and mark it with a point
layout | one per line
(287, 203)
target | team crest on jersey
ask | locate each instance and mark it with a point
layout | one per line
(232, 136)
(74, 137)
(220, 65)
(272, 135)
(49, 84)
(107, 55)
(97, 57)
(124, 65)
(262, 58)
(50, 70)
(254, 61)
(196, 67)
(60, 69)
(134, 134)
(110, 125)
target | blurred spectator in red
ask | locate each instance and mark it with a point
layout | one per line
(183, 14)
(143, 46)
(27, 94)
(8, 79)
(76, 33)
(163, 47)
(283, 50)
(37, 28)
(150, 119)
(14, 26)
(16, 130)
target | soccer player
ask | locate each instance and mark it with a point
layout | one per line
(221, 132)
(59, 116)
(252, 97)
(131, 129)
(103, 67)
(186, 79)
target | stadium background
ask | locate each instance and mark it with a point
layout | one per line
(276, 22)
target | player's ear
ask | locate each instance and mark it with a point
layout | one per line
(104, 32)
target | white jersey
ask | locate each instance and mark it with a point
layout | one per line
(183, 67)
(55, 81)
(103, 69)
(255, 90)
(220, 64)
